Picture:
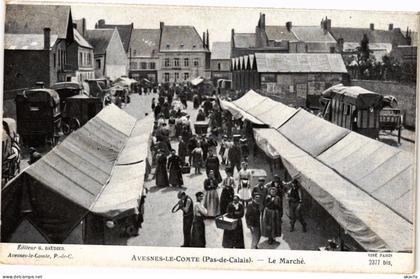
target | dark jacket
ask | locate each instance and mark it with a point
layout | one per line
(252, 215)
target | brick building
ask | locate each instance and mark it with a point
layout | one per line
(183, 54)
(292, 78)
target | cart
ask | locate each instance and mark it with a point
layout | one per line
(201, 127)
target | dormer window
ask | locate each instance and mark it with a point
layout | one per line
(167, 46)
(181, 45)
(193, 46)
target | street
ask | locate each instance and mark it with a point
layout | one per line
(162, 228)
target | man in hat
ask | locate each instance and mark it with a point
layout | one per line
(253, 219)
(262, 191)
(186, 205)
(198, 232)
(277, 183)
(295, 198)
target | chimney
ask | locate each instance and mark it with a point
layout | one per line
(204, 39)
(263, 21)
(207, 39)
(101, 23)
(47, 38)
(289, 25)
(83, 27)
(390, 27)
(372, 26)
(161, 25)
(328, 24)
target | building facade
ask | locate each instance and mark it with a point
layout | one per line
(220, 63)
(183, 55)
(292, 78)
(144, 54)
(110, 58)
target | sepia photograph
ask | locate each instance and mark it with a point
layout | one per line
(151, 127)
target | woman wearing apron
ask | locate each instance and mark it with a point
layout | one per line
(244, 188)
(198, 232)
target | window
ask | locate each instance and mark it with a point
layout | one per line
(196, 62)
(97, 63)
(134, 53)
(167, 46)
(152, 65)
(176, 76)
(219, 66)
(143, 65)
(59, 58)
(186, 76)
(80, 58)
(176, 62)
(166, 77)
(89, 59)
(181, 46)
(133, 65)
(186, 62)
(55, 60)
(167, 62)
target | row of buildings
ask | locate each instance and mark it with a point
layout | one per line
(44, 43)
(297, 63)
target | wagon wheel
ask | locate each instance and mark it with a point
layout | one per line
(74, 124)
(131, 230)
(66, 128)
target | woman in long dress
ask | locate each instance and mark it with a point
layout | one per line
(228, 191)
(197, 159)
(211, 197)
(244, 188)
(161, 173)
(213, 164)
(198, 232)
(234, 238)
(271, 218)
(175, 172)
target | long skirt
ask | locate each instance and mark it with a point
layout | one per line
(161, 176)
(175, 177)
(211, 203)
(225, 198)
(245, 194)
(198, 233)
(234, 238)
(271, 223)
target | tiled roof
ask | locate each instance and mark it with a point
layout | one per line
(32, 19)
(80, 40)
(180, 38)
(279, 33)
(99, 39)
(220, 50)
(124, 30)
(26, 41)
(300, 63)
(144, 42)
(244, 40)
(312, 34)
(374, 36)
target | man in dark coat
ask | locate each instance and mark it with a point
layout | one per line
(161, 173)
(261, 190)
(295, 197)
(157, 110)
(182, 149)
(186, 204)
(253, 219)
(200, 115)
(234, 156)
(213, 164)
(175, 172)
(234, 238)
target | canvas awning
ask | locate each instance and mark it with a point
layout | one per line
(98, 168)
(238, 112)
(370, 222)
(311, 133)
(196, 81)
(384, 172)
(124, 81)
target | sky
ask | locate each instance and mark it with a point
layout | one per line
(220, 20)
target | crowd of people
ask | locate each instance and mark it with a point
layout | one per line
(220, 142)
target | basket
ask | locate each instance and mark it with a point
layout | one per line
(186, 168)
(226, 223)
